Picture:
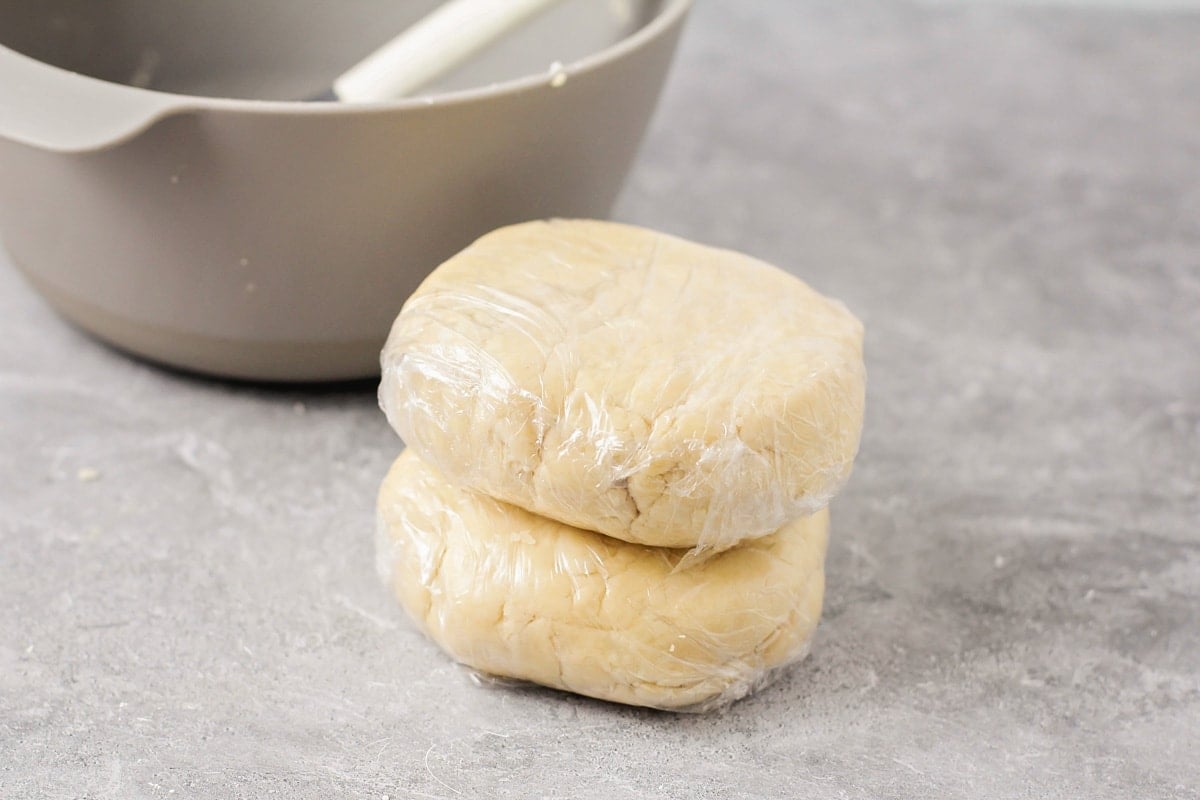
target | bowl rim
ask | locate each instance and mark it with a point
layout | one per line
(670, 14)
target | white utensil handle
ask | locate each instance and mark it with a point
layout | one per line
(436, 44)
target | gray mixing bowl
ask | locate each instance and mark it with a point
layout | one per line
(270, 238)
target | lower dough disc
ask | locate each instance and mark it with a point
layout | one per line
(518, 595)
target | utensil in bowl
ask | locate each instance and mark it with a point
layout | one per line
(440, 41)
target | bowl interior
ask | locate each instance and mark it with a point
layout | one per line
(284, 49)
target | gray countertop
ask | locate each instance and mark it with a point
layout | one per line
(1009, 196)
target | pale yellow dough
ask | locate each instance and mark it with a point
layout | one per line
(517, 595)
(628, 382)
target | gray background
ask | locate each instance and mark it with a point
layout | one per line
(1008, 195)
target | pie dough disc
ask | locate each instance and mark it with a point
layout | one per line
(517, 595)
(628, 382)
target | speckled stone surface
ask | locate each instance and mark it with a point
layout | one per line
(1009, 196)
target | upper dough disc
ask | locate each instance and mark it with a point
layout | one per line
(628, 382)
(518, 595)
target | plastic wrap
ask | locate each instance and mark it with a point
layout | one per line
(517, 595)
(628, 382)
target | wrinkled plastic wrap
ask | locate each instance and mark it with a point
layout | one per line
(628, 382)
(517, 595)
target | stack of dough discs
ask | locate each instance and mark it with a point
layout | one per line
(621, 447)
(628, 382)
(519, 595)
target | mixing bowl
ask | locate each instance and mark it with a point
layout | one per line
(165, 186)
